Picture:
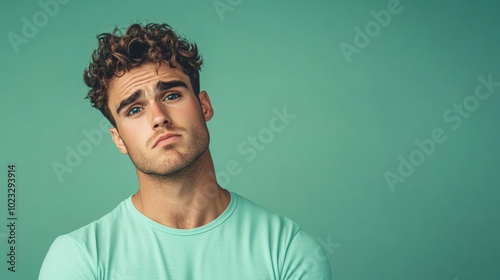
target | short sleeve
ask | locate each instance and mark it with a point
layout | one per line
(66, 260)
(306, 259)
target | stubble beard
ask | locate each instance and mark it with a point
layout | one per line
(177, 163)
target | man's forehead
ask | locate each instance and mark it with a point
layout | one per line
(143, 75)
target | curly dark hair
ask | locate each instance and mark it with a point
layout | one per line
(118, 53)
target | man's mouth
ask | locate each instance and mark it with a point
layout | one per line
(166, 139)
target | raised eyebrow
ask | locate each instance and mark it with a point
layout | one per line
(129, 100)
(163, 86)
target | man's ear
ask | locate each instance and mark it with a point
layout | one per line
(118, 140)
(206, 106)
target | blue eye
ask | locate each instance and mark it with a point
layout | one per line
(133, 111)
(172, 96)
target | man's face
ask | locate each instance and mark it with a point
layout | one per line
(150, 105)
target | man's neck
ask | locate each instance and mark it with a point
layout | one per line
(190, 200)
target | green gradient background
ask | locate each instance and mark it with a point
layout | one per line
(325, 170)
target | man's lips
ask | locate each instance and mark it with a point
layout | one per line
(166, 139)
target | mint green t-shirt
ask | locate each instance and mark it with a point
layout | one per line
(245, 242)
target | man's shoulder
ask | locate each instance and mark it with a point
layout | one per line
(77, 251)
(100, 226)
(300, 254)
(252, 211)
(249, 206)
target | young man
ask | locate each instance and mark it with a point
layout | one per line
(180, 224)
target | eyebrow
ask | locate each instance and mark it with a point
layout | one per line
(129, 100)
(161, 86)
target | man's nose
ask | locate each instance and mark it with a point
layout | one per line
(160, 115)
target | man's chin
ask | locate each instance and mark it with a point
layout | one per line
(169, 169)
